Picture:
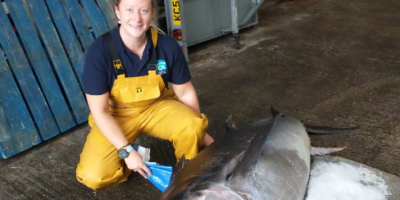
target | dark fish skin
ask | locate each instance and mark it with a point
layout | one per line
(268, 159)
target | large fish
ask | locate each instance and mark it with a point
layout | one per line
(268, 159)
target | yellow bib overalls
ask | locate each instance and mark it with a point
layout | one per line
(139, 105)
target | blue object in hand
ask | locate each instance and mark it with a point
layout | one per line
(161, 175)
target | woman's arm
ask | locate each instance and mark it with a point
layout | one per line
(187, 95)
(98, 105)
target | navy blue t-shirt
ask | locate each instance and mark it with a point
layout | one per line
(98, 75)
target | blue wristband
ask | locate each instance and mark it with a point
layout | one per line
(129, 149)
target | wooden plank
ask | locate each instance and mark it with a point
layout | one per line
(95, 17)
(13, 112)
(26, 79)
(7, 141)
(59, 59)
(68, 36)
(107, 8)
(42, 67)
(79, 21)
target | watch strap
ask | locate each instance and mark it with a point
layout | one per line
(129, 149)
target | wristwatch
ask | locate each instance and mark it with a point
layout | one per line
(124, 153)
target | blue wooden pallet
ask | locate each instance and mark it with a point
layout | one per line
(68, 36)
(41, 67)
(17, 131)
(39, 61)
(59, 59)
(79, 22)
(26, 79)
(99, 25)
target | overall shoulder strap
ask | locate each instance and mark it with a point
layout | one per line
(112, 48)
(152, 64)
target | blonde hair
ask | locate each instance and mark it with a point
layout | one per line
(154, 20)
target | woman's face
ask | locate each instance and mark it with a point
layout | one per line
(135, 17)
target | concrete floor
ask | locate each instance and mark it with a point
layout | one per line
(333, 63)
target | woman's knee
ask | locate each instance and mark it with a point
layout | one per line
(196, 126)
(91, 178)
(100, 178)
(193, 130)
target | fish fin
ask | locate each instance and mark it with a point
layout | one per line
(327, 130)
(275, 112)
(225, 173)
(325, 151)
(179, 166)
(253, 152)
(230, 124)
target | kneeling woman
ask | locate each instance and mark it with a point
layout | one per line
(126, 78)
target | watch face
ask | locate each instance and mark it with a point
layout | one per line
(123, 154)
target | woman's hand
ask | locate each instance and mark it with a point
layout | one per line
(207, 140)
(135, 162)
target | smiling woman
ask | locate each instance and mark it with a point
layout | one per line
(125, 78)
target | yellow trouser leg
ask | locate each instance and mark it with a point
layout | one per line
(100, 166)
(171, 120)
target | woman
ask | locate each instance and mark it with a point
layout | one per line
(128, 95)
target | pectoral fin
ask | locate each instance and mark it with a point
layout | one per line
(179, 166)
